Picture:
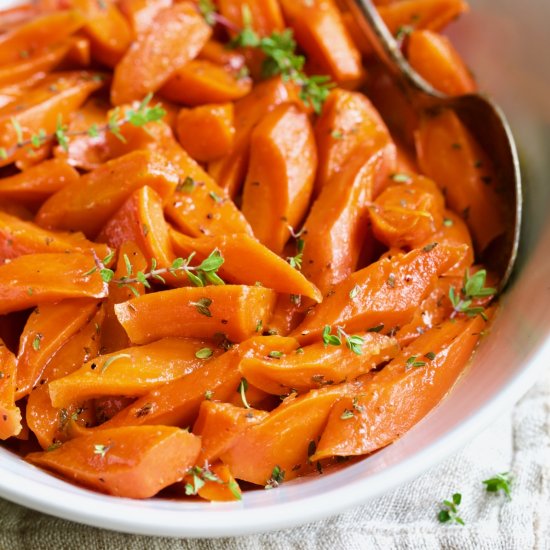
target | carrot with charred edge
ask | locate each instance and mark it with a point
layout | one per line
(247, 261)
(206, 132)
(284, 438)
(141, 13)
(337, 226)
(448, 153)
(38, 34)
(407, 212)
(230, 171)
(131, 372)
(133, 462)
(317, 365)
(385, 293)
(200, 82)
(349, 121)
(435, 59)
(37, 279)
(406, 390)
(177, 403)
(321, 32)
(10, 415)
(109, 32)
(44, 105)
(45, 332)
(219, 423)
(278, 196)
(197, 312)
(46, 422)
(421, 14)
(38, 182)
(86, 206)
(18, 237)
(176, 36)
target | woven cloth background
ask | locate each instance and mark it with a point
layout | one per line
(404, 519)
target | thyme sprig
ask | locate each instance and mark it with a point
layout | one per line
(472, 287)
(140, 116)
(353, 342)
(200, 476)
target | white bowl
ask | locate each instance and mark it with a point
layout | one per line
(507, 43)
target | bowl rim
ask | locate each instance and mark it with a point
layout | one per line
(232, 519)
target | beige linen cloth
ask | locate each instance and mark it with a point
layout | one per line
(404, 519)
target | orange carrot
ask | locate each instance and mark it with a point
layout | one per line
(10, 415)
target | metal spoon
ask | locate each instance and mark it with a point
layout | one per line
(480, 114)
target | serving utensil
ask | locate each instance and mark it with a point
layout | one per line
(481, 116)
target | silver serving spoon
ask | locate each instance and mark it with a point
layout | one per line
(482, 117)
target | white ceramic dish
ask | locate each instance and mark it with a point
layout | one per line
(507, 43)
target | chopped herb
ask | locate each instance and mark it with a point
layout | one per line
(275, 354)
(330, 339)
(412, 362)
(277, 477)
(336, 134)
(114, 358)
(204, 353)
(401, 178)
(403, 31)
(347, 414)
(36, 342)
(450, 512)
(208, 11)
(18, 130)
(354, 292)
(391, 281)
(215, 197)
(430, 355)
(447, 222)
(473, 287)
(101, 450)
(500, 482)
(53, 446)
(208, 394)
(377, 328)
(243, 387)
(234, 488)
(259, 325)
(429, 247)
(203, 306)
(186, 186)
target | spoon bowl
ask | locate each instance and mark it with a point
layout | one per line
(483, 118)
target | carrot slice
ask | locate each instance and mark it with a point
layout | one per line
(280, 176)
(87, 205)
(10, 415)
(176, 36)
(232, 310)
(141, 13)
(133, 462)
(131, 372)
(406, 390)
(37, 279)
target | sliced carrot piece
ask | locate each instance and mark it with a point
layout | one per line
(385, 293)
(37, 279)
(87, 205)
(265, 15)
(133, 462)
(176, 36)
(247, 261)
(45, 332)
(141, 13)
(131, 372)
(280, 176)
(406, 390)
(197, 312)
(206, 132)
(10, 415)
(225, 488)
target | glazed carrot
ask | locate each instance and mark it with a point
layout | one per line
(337, 225)
(37, 279)
(421, 14)
(10, 415)
(109, 32)
(140, 13)
(385, 293)
(46, 422)
(175, 37)
(265, 15)
(79, 51)
(104, 409)
(232, 310)
(206, 132)
(317, 365)
(131, 372)
(218, 53)
(37, 34)
(247, 261)
(225, 488)
(230, 171)
(45, 332)
(348, 120)
(113, 336)
(408, 212)
(405, 390)
(448, 153)
(19, 237)
(200, 82)
(433, 57)
(133, 462)
(87, 205)
(288, 313)
(17, 15)
(177, 402)
(219, 423)
(282, 440)
(280, 176)
(44, 105)
(321, 32)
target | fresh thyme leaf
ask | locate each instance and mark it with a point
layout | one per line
(212, 263)
(101, 450)
(18, 130)
(234, 488)
(500, 482)
(275, 354)
(186, 186)
(61, 134)
(354, 292)
(106, 274)
(412, 362)
(204, 353)
(347, 414)
(208, 11)
(243, 387)
(430, 355)
(114, 358)
(93, 131)
(277, 477)
(113, 125)
(203, 306)
(473, 287)
(450, 512)
(401, 178)
(377, 328)
(36, 341)
(330, 339)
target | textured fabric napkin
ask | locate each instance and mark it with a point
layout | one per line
(404, 519)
